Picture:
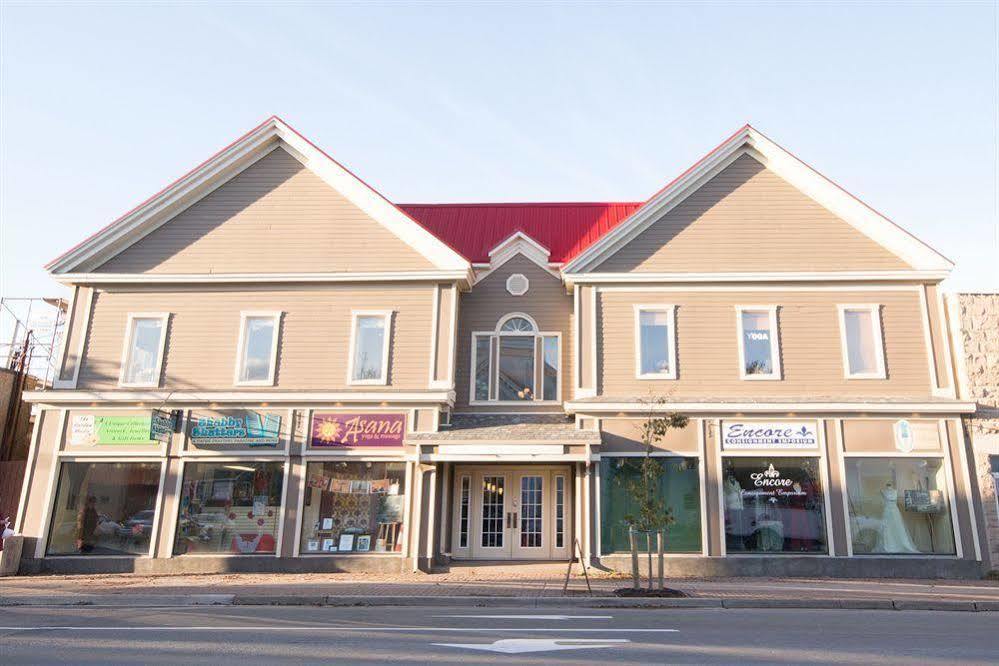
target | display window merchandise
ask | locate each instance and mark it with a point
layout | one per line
(230, 508)
(679, 488)
(353, 507)
(773, 505)
(899, 506)
(104, 508)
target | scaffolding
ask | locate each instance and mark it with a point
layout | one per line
(31, 334)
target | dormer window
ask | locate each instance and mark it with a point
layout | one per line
(515, 363)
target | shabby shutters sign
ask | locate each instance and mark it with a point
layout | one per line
(335, 429)
(248, 428)
(801, 435)
(94, 430)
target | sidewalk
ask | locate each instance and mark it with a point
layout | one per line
(531, 585)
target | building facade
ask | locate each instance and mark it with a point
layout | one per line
(975, 319)
(269, 366)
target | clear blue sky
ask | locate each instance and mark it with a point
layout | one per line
(104, 104)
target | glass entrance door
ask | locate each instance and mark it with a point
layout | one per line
(521, 513)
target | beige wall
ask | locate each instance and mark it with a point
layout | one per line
(749, 219)
(808, 321)
(625, 435)
(482, 307)
(314, 337)
(275, 216)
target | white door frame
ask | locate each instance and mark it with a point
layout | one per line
(474, 475)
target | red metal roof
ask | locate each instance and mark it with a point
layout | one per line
(564, 228)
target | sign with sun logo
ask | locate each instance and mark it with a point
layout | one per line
(365, 429)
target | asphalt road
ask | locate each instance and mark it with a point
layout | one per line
(278, 635)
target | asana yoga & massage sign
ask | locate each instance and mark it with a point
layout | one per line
(769, 435)
(336, 429)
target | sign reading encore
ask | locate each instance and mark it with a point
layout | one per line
(334, 430)
(769, 435)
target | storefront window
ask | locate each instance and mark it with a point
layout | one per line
(679, 487)
(899, 506)
(230, 507)
(773, 505)
(104, 509)
(353, 507)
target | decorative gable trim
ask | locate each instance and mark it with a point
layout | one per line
(518, 243)
(749, 141)
(231, 160)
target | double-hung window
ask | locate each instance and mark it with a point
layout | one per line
(861, 338)
(655, 341)
(142, 354)
(515, 362)
(759, 342)
(369, 347)
(257, 350)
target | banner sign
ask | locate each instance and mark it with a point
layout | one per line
(91, 430)
(334, 430)
(769, 435)
(249, 429)
(163, 424)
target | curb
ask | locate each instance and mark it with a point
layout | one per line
(165, 600)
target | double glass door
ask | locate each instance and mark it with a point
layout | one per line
(519, 513)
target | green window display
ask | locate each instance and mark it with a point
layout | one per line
(679, 483)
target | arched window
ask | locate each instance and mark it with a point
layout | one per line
(515, 362)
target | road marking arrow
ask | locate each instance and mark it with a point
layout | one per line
(519, 645)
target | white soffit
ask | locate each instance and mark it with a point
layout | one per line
(828, 194)
(227, 163)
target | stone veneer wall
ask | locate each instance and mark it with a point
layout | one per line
(980, 333)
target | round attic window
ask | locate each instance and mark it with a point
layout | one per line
(517, 284)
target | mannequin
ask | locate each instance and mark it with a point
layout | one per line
(733, 493)
(894, 537)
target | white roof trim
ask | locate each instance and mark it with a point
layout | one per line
(942, 407)
(514, 244)
(154, 398)
(231, 160)
(811, 183)
(184, 278)
(775, 276)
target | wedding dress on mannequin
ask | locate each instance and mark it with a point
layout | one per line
(894, 537)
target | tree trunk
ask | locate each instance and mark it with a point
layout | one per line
(648, 551)
(659, 541)
(634, 557)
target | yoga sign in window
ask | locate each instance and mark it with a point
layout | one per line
(774, 505)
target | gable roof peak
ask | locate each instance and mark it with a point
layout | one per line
(273, 132)
(749, 140)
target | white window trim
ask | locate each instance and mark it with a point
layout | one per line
(670, 310)
(771, 310)
(518, 292)
(386, 345)
(126, 348)
(537, 334)
(879, 351)
(241, 351)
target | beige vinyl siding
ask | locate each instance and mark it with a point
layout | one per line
(749, 219)
(625, 436)
(481, 308)
(274, 217)
(314, 334)
(811, 353)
